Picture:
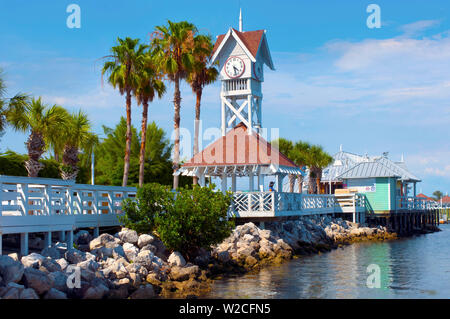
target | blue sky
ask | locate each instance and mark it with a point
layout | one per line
(336, 81)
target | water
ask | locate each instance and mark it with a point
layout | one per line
(417, 267)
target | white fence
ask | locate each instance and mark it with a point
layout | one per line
(417, 203)
(273, 204)
(44, 205)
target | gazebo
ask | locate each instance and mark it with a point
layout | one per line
(241, 153)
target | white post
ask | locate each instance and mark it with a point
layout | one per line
(96, 232)
(48, 239)
(280, 183)
(224, 182)
(201, 180)
(250, 129)
(92, 169)
(233, 182)
(251, 182)
(260, 182)
(224, 118)
(24, 244)
(70, 240)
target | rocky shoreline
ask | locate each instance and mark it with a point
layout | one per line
(128, 265)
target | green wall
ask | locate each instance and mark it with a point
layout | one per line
(379, 200)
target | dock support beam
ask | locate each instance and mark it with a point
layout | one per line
(96, 232)
(24, 244)
(48, 239)
(69, 240)
(1, 242)
(62, 236)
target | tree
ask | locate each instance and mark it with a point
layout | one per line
(438, 195)
(40, 120)
(285, 147)
(77, 136)
(149, 85)
(317, 159)
(19, 101)
(299, 155)
(202, 74)
(122, 70)
(174, 46)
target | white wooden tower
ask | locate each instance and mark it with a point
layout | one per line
(241, 56)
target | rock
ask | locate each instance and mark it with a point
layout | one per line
(223, 256)
(15, 285)
(14, 256)
(184, 273)
(32, 260)
(89, 264)
(118, 293)
(137, 269)
(75, 256)
(128, 236)
(103, 252)
(176, 259)
(145, 259)
(11, 293)
(106, 240)
(96, 292)
(144, 292)
(135, 279)
(145, 240)
(250, 261)
(55, 294)
(150, 247)
(118, 252)
(265, 233)
(87, 275)
(62, 263)
(59, 280)
(10, 270)
(82, 237)
(118, 269)
(52, 252)
(37, 280)
(130, 251)
(28, 294)
(246, 251)
(49, 265)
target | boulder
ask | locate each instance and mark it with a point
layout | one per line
(144, 240)
(118, 293)
(32, 260)
(11, 293)
(128, 236)
(10, 270)
(131, 251)
(14, 256)
(82, 237)
(118, 269)
(55, 294)
(150, 247)
(49, 265)
(106, 240)
(28, 294)
(103, 252)
(75, 256)
(145, 259)
(118, 252)
(184, 273)
(176, 259)
(59, 280)
(223, 256)
(143, 292)
(89, 264)
(265, 233)
(37, 280)
(96, 292)
(62, 263)
(52, 252)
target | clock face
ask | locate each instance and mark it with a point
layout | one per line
(234, 67)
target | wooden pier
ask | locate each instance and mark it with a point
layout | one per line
(45, 205)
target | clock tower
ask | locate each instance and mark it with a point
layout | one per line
(241, 56)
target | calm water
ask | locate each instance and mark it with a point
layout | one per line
(417, 267)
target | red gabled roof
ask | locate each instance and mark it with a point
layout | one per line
(251, 40)
(237, 147)
(446, 199)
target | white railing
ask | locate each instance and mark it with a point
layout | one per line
(415, 203)
(235, 85)
(266, 204)
(45, 204)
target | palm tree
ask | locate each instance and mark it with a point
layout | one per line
(317, 160)
(438, 195)
(149, 84)
(285, 147)
(299, 155)
(174, 48)
(40, 120)
(122, 71)
(77, 136)
(202, 74)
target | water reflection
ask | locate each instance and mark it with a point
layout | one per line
(410, 268)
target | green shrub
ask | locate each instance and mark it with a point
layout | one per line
(190, 219)
(151, 200)
(197, 219)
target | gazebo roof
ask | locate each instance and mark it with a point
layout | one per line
(241, 153)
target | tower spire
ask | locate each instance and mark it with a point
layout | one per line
(240, 20)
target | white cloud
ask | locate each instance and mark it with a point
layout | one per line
(418, 27)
